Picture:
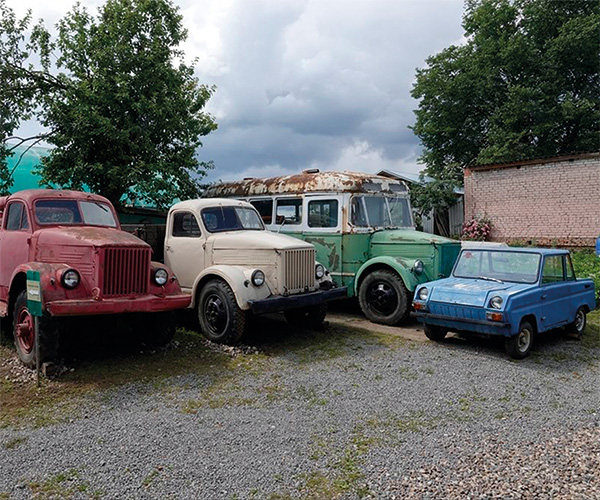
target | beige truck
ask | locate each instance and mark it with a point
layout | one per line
(223, 256)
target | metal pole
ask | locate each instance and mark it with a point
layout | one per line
(36, 332)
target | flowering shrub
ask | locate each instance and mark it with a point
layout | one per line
(477, 229)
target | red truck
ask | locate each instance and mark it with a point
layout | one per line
(87, 265)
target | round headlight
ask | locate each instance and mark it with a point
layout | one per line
(258, 277)
(423, 293)
(161, 276)
(496, 302)
(418, 266)
(70, 278)
(319, 271)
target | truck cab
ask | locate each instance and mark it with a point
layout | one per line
(87, 265)
(232, 266)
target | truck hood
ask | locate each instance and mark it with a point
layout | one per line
(86, 236)
(471, 292)
(253, 240)
(397, 236)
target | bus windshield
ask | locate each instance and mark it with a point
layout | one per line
(381, 211)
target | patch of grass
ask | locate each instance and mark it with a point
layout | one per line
(61, 400)
(14, 442)
(63, 485)
(310, 395)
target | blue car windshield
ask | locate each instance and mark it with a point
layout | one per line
(496, 265)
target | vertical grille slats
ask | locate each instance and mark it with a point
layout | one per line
(126, 271)
(299, 272)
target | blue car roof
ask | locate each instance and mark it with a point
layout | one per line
(543, 251)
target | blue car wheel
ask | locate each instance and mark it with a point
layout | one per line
(519, 345)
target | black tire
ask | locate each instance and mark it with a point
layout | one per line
(24, 336)
(221, 319)
(312, 317)
(383, 297)
(518, 346)
(159, 328)
(434, 332)
(578, 325)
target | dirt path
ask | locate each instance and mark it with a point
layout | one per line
(412, 331)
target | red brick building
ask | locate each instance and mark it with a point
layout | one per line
(550, 201)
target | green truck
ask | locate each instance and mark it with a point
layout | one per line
(362, 228)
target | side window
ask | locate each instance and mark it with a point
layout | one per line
(323, 213)
(553, 269)
(16, 218)
(265, 209)
(289, 210)
(185, 225)
(358, 217)
(569, 268)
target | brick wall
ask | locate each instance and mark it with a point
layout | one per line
(551, 202)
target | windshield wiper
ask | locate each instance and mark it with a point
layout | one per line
(487, 278)
(101, 206)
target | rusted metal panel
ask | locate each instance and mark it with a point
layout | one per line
(309, 182)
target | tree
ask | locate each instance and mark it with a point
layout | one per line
(124, 112)
(524, 85)
(20, 85)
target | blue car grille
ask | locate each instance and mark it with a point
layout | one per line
(456, 311)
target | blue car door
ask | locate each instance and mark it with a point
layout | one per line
(578, 292)
(554, 295)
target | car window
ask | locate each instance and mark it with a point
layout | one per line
(15, 216)
(185, 225)
(553, 269)
(289, 210)
(265, 209)
(569, 268)
(323, 213)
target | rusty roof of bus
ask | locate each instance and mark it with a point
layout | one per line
(309, 182)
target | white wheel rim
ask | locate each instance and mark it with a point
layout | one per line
(523, 340)
(579, 321)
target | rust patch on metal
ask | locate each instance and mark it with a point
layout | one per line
(328, 182)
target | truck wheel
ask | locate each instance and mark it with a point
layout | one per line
(434, 332)
(313, 316)
(578, 325)
(519, 345)
(383, 297)
(24, 334)
(221, 319)
(158, 328)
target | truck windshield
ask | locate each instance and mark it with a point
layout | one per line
(218, 219)
(515, 267)
(381, 211)
(72, 212)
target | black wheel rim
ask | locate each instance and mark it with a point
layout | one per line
(382, 298)
(215, 314)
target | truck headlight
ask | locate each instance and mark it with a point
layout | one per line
(418, 266)
(161, 276)
(496, 302)
(70, 279)
(319, 271)
(258, 278)
(423, 293)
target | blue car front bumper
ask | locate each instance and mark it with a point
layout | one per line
(463, 324)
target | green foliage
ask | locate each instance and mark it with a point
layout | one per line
(587, 265)
(124, 110)
(524, 85)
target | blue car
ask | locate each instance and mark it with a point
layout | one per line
(512, 292)
(598, 246)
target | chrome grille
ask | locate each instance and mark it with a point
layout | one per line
(126, 271)
(298, 270)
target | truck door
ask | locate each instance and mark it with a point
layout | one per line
(184, 247)
(14, 242)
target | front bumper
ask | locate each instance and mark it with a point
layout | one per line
(463, 324)
(118, 305)
(276, 304)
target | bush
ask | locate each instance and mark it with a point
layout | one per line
(477, 229)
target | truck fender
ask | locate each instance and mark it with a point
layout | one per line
(238, 279)
(48, 273)
(410, 282)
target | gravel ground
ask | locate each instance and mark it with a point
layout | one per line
(337, 414)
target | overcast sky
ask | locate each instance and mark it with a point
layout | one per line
(306, 83)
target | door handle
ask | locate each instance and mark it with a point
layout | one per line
(587, 286)
(544, 296)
